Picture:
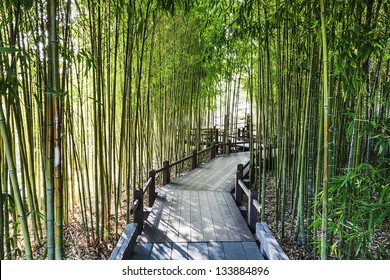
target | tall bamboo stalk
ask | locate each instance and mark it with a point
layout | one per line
(324, 237)
(14, 184)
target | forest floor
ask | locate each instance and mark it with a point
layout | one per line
(289, 246)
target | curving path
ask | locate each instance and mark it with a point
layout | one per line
(195, 217)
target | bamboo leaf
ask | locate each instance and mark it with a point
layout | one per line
(40, 215)
(6, 196)
(8, 50)
(350, 129)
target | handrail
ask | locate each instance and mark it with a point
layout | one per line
(205, 150)
(257, 205)
(147, 185)
(254, 206)
(180, 161)
(244, 187)
(161, 169)
(135, 206)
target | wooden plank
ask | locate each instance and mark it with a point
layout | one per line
(234, 251)
(219, 226)
(242, 226)
(196, 219)
(269, 247)
(198, 251)
(125, 246)
(216, 251)
(232, 230)
(162, 224)
(152, 222)
(228, 180)
(185, 220)
(221, 174)
(252, 251)
(179, 251)
(161, 251)
(228, 185)
(142, 251)
(172, 234)
(207, 221)
(207, 175)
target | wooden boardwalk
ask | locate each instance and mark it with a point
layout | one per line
(196, 217)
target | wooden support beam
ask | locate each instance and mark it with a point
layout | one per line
(152, 187)
(139, 211)
(194, 159)
(237, 187)
(252, 211)
(213, 150)
(166, 173)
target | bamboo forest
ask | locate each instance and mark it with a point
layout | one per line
(95, 94)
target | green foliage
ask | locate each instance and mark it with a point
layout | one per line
(360, 208)
(27, 4)
(7, 197)
(8, 50)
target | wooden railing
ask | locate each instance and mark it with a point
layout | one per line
(137, 208)
(240, 188)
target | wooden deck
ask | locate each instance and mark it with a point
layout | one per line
(195, 217)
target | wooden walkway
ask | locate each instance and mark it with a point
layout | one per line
(196, 217)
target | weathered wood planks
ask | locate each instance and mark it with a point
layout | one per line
(197, 251)
(125, 246)
(269, 247)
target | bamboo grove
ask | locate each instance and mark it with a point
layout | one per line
(94, 94)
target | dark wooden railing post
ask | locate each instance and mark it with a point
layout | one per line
(237, 189)
(238, 134)
(166, 173)
(152, 187)
(243, 134)
(216, 135)
(139, 212)
(229, 146)
(213, 150)
(194, 159)
(252, 211)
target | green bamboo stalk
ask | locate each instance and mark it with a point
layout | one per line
(3, 205)
(56, 98)
(324, 237)
(15, 185)
(49, 152)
